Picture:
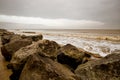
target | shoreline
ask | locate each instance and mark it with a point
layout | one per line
(35, 54)
(89, 42)
(88, 35)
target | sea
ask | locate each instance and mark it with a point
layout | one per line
(96, 41)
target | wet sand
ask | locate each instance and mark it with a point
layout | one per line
(4, 72)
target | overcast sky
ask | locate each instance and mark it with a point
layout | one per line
(102, 13)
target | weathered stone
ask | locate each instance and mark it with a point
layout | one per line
(49, 48)
(44, 68)
(33, 37)
(45, 47)
(6, 36)
(42, 47)
(10, 48)
(9, 38)
(2, 30)
(70, 55)
(107, 68)
(5, 39)
(15, 37)
(5, 32)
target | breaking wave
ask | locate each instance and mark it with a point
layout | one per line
(102, 44)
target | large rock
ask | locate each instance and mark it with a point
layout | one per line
(2, 31)
(6, 36)
(70, 55)
(44, 47)
(44, 68)
(49, 48)
(10, 48)
(5, 32)
(33, 37)
(107, 68)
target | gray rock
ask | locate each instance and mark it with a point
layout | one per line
(33, 37)
(5, 32)
(107, 68)
(43, 47)
(10, 48)
(70, 55)
(44, 68)
(6, 36)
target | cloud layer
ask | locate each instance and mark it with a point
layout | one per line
(52, 23)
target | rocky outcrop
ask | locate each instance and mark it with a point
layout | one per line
(43, 47)
(49, 48)
(10, 48)
(5, 32)
(33, 37)
(44, 68)
(13, 42)
(107, 68)
(34, 59)
(71, 56)
(6, 36)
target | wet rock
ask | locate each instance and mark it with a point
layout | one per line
(33, 37)
(107, 68)
(10, 48)
(49, 48)
(5, 32)
(9, 38)
(2, 30)
(44, 68)
(5, 39)
(70, 55)
(6, 36)
(20, 57)
(116, 51)
(15, 37)
(45, 47)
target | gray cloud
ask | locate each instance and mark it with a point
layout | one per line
(106, 11)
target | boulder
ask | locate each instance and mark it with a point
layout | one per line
(6, 36)
(10, 48)
(9, 38)
(33, 37)
(44, 68)
(43, 47)
(70, 55)
(107, 68)
(5, 39)
(5, 32)
(49, 48)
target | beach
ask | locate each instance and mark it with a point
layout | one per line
(62, 47)
(102, 42)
